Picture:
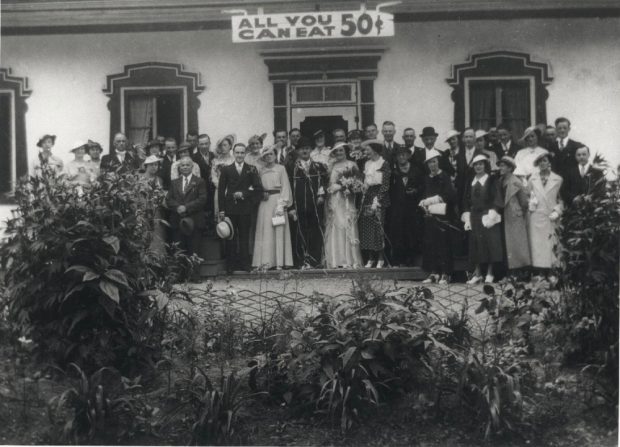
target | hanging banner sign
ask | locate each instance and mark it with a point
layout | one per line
(313, 25)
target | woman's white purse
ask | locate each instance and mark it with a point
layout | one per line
(438, 209)
(276, 221)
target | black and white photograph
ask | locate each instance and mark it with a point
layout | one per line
(309, 222)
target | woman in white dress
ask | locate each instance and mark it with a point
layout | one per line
(526, 156)
(342, 244)
(545, 208)
(272, 240)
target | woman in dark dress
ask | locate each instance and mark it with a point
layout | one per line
(439, 230)
(481, 205)
(405, 217)
(375, 203)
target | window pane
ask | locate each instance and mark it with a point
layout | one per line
(482, 104)
(338, 93)
(516, 106)
(309, 94)
(140, 124)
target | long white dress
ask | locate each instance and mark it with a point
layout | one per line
(272, 245)
(342, 244)
(541, 229)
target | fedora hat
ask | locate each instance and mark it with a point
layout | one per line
(428, 132)
(186, 225)
(45, 137)
(452, 133)
(225, 229)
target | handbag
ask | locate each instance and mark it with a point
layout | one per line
(276, 221)
(439, 209)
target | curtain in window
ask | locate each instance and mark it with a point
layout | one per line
(482, 106)
(140, 128)
(516, 106)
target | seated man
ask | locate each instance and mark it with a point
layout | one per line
(186, 202)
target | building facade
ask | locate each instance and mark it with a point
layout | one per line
(86, 69)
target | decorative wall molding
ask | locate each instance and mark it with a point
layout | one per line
(157, 75)
(498, 65)
(20, 85)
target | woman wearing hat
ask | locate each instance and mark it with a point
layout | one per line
(515, 200)
(342, 245)
(320, 153)
(545, 208)
(47, 162)
(153, 182)
(405, 219)
(439, 231)
(526, 156)
(481, 205)
(223, 157)
(78, 170)
(357, 153)
(481, 146)
(255, 144)
(272, 240)
(94, 150)
(375, 202)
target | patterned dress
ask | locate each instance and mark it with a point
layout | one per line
(372, 222)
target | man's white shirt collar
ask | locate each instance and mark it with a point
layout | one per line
(482, 180)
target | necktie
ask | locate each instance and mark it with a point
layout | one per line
(239, 169)
(582, 169)
(561, 144)
(185, 183)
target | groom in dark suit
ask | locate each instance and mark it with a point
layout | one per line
(308, 183)
(186, 202)
(238, 189)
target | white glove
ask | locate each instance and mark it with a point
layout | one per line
(533, 203)
(423, 203)
(466, 219)
(554, 216)
(434, 200)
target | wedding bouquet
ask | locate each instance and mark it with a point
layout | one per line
(350, 182)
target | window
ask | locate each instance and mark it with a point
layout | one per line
(153, 98)
(489, 102)
(340, 93)
(13, 148)
(500, 87)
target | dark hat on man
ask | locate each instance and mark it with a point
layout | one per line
(45, 137)
(354, 135)
(319, 133)
(429, 132)
(304, 142)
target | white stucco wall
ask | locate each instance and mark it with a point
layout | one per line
(67, 74)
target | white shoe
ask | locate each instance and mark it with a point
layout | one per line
(369, 264)
(489, 279)
(474, 280)
(445, 279)
(431, 279)
(380, 264)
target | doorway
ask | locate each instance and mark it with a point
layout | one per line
(324, 106)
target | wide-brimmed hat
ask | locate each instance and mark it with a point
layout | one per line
(341, 145)
(186, 225)
(257, 139)
(225, 229)
(480, 133)
(266, 151)
(231, 139)
(547, 154)
(480, 157)
(151, 159)
(530, 130)
(428, 132)
(452, 133)
(45, 137)
(78, 145)
(508, 161)
(433, 153)
(374, 144)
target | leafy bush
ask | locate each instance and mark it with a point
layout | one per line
(358, 353)
(81, 279)
(97, 409)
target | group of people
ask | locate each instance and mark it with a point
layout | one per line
(364, 201)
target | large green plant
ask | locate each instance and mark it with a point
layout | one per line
(80, 277)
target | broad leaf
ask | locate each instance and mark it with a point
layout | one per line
(110, 290)
(113, 242)
(117, 276)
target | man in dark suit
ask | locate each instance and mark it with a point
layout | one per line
(280, 144)
(582, 178)
(429, 137)
(409, 141)
(388, 130)
(308, 184)
(465, 170)
(563, 148)
(238, 189)
(119, 160)
(505, 144)
(204, 159)
(170, 151)
(186, 201)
